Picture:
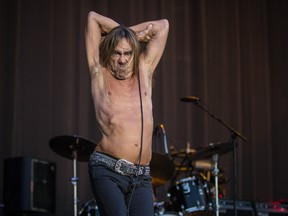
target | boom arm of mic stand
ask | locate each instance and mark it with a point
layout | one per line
(233, 131)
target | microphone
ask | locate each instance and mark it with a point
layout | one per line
(190, 99)
(165, 138)
(160, 129)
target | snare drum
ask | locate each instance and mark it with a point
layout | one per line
(191, 195)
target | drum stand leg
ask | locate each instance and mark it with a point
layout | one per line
(74, 181)
(215, 172)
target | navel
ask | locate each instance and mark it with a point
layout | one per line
(109, 93)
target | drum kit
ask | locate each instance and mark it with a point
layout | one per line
(190, 195)
(193, 191)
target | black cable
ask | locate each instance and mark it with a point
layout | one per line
(142, 120)
(141, 141)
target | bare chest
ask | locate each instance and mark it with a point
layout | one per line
(120, 98)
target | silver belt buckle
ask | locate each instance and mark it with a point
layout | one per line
(139, 171)
(119, 164)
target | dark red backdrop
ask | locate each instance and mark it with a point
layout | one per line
(230, 53)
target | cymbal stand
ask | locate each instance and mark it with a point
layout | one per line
(74, 181)
(233, 140)
(215, 172)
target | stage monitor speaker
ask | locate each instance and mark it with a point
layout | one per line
(271, 209)
(244, 208)
(29, 185)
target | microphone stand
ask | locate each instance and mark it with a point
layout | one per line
(234, 135)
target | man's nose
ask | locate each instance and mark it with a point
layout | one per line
(122, 59)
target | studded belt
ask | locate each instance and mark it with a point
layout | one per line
(120, 166)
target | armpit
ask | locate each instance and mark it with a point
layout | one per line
(94, 71)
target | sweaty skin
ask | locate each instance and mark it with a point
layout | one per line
(119, 116)
(115, 88)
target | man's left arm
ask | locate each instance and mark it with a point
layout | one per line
(155, 34)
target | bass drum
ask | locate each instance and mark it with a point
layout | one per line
(191, 196)
(90, 208)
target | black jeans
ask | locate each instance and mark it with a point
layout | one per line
(120, 195)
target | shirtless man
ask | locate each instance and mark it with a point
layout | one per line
(121, 85)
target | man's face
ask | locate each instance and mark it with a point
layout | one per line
(121, 60)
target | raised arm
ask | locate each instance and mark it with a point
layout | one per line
(155, 33)
(97, 26)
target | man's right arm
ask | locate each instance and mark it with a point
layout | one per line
(97, 26)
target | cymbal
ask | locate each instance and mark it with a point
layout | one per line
(184, 153)
(162, 169)
(196, 165)
(213, 149)
(205, 152)
(72, 147)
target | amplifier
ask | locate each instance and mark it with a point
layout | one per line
(244, 208)
(29, 185)
(271, 209)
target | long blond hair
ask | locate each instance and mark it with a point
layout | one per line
(111, 40)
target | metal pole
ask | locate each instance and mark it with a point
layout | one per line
(74, 181)
(215, 172)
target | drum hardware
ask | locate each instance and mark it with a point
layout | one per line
(234, 135)
(200, 201)
(77, 149)
(215, 173)
(184, 153)
(214, 151)
(161, 166)
(186, 163)
(203, 165)
(162, 169)
(163, 208)
(222, 179)
(89, 208)
(191, 196)
(197, 165)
